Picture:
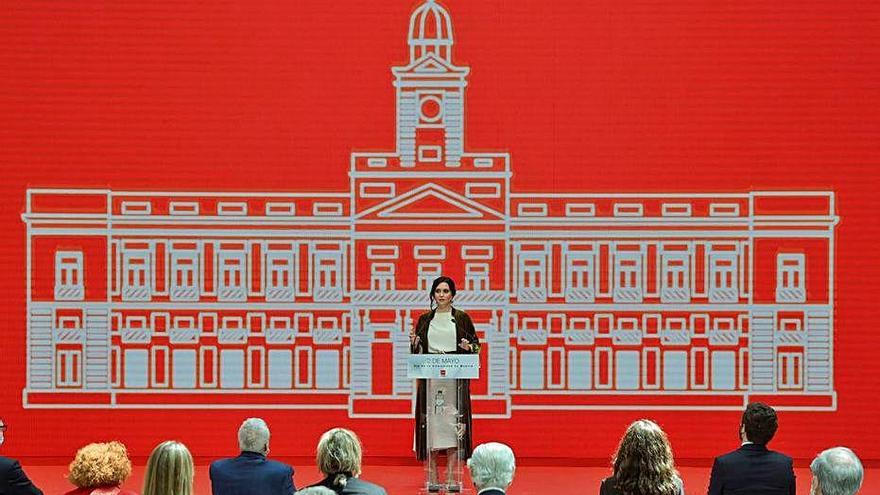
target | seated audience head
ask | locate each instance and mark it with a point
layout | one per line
(100, 465)
(253, 436)
(492, 465)
(758, 423)
(643, 462)
(315, 490)
(836, 471)
(169, 470)
(339, 455)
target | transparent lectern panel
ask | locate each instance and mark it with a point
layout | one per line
(446, 425)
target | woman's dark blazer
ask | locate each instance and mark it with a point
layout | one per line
(464, 329)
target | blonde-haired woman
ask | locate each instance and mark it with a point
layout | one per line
(169, 470)
(100, 469)
(643, 464)
(339, 458)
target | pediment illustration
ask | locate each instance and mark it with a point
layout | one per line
(431, 201)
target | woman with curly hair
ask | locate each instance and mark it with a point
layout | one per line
(169, 470)
(643, 464)
(100, 469)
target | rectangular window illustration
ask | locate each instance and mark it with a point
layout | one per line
(328, 276)
(232, 276)
(628, 276)
(69, 283)
(184, 275)
(790, 271)
(790, 370)
(532, 277)
(280, 276)
(427, 273)
(580, 276)
(476, 277)
(382, 276)
(723, 277)
(136, 275)
(68, 372)
(675, 278)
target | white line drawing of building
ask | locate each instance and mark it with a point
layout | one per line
(704, 301)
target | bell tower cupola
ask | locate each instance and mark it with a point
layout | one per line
(430, 93)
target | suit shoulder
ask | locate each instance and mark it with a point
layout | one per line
(728, 457)
(278, 466)
(780, 457)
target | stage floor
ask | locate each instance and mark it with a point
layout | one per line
(407, 479)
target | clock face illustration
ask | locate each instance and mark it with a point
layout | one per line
(431, 109)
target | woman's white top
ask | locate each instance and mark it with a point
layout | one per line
(441, 333)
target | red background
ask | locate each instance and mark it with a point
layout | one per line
(600, 96)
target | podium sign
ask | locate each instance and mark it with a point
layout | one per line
(443, 366)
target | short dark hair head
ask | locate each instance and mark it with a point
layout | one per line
(759, 422)
(439, 280)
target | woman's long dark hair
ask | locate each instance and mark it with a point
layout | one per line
(643, 463)
(437, 281)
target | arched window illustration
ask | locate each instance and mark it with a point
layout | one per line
(790, 274)
(69, 283)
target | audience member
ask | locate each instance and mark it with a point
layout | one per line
(753, 469)
(643, 463)
(836, 471)
(169, 470)
(339, 458)
(251, 472)
(13, 481)
(492, 466)
(316, 490)
(100, 469)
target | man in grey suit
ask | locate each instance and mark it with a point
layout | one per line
(13, 481)
(251, 473)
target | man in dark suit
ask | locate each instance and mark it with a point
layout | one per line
(13, 481)
(492, 466)
(251, 473)
(753, 469)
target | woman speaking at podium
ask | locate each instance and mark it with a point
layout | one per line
(443, 330)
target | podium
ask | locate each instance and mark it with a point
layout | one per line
(444, 423)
